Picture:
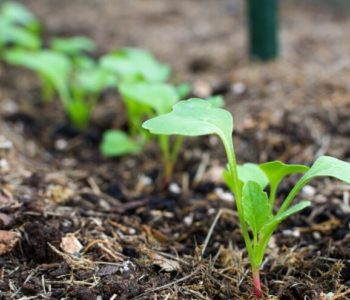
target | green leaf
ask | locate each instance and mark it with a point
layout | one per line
(73, 45)
(252, 172)
(290, 211)
(54, 66)
(94, 79)
(131, 64)
(217, 101)
(118, 143)
(14, 12)
(18, 36)
(183, 90)
(79, 111)
(193, 117)
(323, 166)
(256, 207)
(159, 96)
(277, 170)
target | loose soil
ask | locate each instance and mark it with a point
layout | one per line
(130, 237)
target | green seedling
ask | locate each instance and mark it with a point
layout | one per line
(73, 46)
(149, 100)
(52, 68)
(78, 90)
(131, 65)
(117, 143)
(258, 221)
(18, 27)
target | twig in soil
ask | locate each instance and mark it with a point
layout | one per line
(164, 286)
(74, 262)
(210, 232)
(95, 188)
(195, 293)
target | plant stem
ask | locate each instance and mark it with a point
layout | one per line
(273, 192)
(238, 193)
(257, 283)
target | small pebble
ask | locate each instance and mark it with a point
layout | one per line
(145, 180)
(308, 191)
(223, 195)
(293, 233)
(4, 165)
(174, 188)
(188, 220)
(272, 242)
(5, 144)
(316, 235)
(211, 211)
(61, 144)
(238, 88)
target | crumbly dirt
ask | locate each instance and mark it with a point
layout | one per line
(126, 236)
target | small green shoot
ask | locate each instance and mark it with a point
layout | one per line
(73, 46)
(149, 100)
(18, 27)
(197, 117)
(78, 89)
(117, 143)
(131, 64)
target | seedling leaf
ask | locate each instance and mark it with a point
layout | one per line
(193, 117)
(159, 96)
(73, 45)
(277, 170)
(118, 143)
(216, 101)
(51, 65)
(252, 172)
(256, 207)
(290, 211)
(323, 166)
(131, 64)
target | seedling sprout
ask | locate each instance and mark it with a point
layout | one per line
(196, 117)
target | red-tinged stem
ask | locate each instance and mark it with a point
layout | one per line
(257, 284)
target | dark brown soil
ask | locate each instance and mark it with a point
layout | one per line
(138, 240)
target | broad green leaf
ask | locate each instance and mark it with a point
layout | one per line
(217, 101)
(118, 143)
(323, 166)
(16, 13)
(131, 64)
(256, 207)
(73, 45)
(54, 66)
(94, 80)
(159, 96)
(252, 172)
(277, 170)
(193, 117)
(17, 36)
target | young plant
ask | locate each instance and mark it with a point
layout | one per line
(73, 46)
(117, 143)
(18, 27)
(132, 65)
(78, 89)
(258, 221)
(148, 100)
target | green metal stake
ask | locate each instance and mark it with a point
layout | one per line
(263, 29)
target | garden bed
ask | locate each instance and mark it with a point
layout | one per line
(139, 240)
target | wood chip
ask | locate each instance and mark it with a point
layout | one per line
(8, 240)
(70, 244)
